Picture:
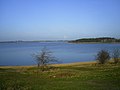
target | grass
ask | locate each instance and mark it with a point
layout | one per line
(76, 76)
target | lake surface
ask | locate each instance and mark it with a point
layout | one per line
(22, 53)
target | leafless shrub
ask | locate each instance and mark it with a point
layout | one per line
(44, 57)
(102, 56)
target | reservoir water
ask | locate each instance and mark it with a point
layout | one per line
(22, 53)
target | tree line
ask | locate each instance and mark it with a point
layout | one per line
(101, 39)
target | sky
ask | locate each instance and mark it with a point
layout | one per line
(58, 19)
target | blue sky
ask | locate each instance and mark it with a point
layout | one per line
(58, 19)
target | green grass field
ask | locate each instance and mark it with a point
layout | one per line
(79, 76)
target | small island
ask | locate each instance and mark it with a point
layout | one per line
(96, 40)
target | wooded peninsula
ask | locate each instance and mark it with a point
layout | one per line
(96, 40)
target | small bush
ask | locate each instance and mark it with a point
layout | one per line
(116, 56)
(103, 56)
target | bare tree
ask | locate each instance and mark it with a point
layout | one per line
(116, 55)
(103, 56)
(44, 57)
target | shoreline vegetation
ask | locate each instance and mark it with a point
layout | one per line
(58, 65)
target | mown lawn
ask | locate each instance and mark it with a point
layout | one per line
(66, 77)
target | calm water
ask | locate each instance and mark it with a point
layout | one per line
(21, 53)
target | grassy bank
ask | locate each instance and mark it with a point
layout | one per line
(75, 76)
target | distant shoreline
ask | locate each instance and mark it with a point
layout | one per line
(62, 41)
(32, 41)
(78, 41)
